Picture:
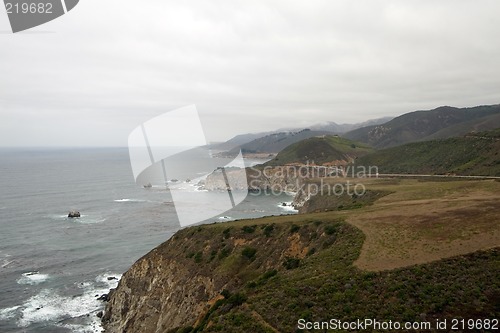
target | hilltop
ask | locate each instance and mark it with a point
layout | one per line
(473, 154)
(443, 122)
(321, 150)
(274, 143)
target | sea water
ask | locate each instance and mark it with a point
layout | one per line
(53, 268)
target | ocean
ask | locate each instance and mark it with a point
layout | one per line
(53, 268)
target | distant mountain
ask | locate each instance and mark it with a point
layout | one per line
(238, 141)
(274, 143)
(320, 150)
(343, 128)
(473, 154)
(329, 127)
(443, 122)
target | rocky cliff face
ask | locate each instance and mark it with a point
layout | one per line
(176, 284)
(278, 179)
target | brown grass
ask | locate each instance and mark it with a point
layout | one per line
(423, 222)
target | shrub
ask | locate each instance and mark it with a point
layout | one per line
(249, 252)
(330, 229)
(237, 299)
(226, 233)
(291, 263)
(224, 252)
(248, 229)
(268, 230)
(311, 252)
(294, 228)
(197, 257)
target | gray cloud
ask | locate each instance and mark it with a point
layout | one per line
(91, 76)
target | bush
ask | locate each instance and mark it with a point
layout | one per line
(330, 229)
(311, 252)
(224, 252)
(294, 228)
(237, 299)
(249, 252)
(291, 263)
(268, 230)
(226, 233)
(248, 229)
(198, 257)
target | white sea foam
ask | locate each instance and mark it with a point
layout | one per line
(7, 263)
(129, 200)
(226, 218)
(88, 219)
(32, 278)
(8, 313)
(49, 306)
(288, 207)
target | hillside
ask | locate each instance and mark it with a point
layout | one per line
(274, 143)
(443, 122)
(412, 255)
(320, 150)
(474, 154)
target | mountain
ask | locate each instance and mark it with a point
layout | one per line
(238, 141)
(443, 122)
(320, 150)
(274, 143)
(474, 154)
(330, 127)
(333, 127)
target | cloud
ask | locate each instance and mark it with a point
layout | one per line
(105, 67)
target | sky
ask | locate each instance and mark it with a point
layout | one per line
(91, 76)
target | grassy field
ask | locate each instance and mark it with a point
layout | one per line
(427, 250)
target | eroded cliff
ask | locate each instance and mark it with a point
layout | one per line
(176, 284)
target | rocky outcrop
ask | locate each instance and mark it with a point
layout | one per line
(73, 214)
(277, 179)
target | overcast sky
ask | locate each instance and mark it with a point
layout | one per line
(93, 75)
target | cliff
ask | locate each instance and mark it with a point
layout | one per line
(176, 284)
(264, 275)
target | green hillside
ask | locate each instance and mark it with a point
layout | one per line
(443, 122)
(473, 154)
(321, 150)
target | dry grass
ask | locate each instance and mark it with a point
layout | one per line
(427, 221)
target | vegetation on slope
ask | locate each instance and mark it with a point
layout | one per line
(326, 285)
(264, 275)
(474, 154)
(443, 122)
(321, 150)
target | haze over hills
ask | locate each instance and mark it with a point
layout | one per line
(270, 138)
(443, 122)
(274, 143)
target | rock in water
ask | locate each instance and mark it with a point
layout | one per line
(74, 213)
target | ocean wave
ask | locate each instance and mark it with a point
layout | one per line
(48, 306)
(287, 206)
(226, 218)
(7, 263)
(83, 219)
(129, 200)
(8, 313)
(32, 278)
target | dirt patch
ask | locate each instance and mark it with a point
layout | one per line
(296, 249)
(241, 241)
